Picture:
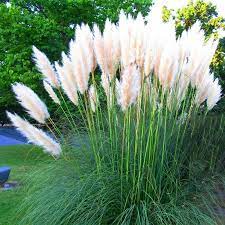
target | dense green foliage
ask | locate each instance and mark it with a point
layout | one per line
(49, 25)
(212, 24)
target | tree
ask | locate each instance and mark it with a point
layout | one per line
(19, 30)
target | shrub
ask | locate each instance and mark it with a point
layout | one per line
(134, 162)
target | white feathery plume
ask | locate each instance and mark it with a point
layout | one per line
(132, 40)
(125, 32)
(140, 40)
(35, 135)
(165, 38)
(81, 66)
(155, 14)
(99, 49)
(168, 66)
(35, 107)
(116, 47)
(203, 88)
(107, 48)
(51, 92)
(44, 66)
(92, 93)
(84, 36)
(105, 81)
(196, 53)
(67, 80)
(111, 48)
(148, 57)
(129, 86)
(68, 70)
(182, 86)
(209, 90)
(214, 94)
(160, 39)
(155, 38)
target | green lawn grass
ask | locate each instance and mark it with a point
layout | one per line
(23, 159)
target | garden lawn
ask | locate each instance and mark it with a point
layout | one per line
(23, 159)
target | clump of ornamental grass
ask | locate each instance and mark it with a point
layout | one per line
(131, 161)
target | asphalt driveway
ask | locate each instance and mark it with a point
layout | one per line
(10, 136)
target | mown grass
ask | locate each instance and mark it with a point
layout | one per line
(23, 159)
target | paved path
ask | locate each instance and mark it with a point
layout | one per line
(10, 136)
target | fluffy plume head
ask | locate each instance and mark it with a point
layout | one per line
(84, 37)
(129, 87)
(111, 48)
(105, 81)
(214, 94)
(99, 49)
(127, 32)
(44, 66)
(35, 135)
(140, 40)
(107, 48)
(196, 54)
(67, 79)
(81, 67)
(35, 107)
(140, 46)
(51, 92)
(92, 93)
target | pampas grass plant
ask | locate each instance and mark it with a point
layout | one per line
(135, 164)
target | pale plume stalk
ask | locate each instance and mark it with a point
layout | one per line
(92, 94)
(107, 48)
(84, 37)
(35, 107)
(129, 87)
(44, 66)
(99, 49)
(35, 135)
(80, 63)
(82, 56)
(111, 48)
(214, 94)
(51, 92)
(67, 79)
(140, 41)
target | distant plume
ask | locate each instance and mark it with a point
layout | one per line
(129, 87)
(93, 97)
(67, 79)
(35, 107)
(44, 66)
(214, 94)
(51, 92)
(35, 135)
